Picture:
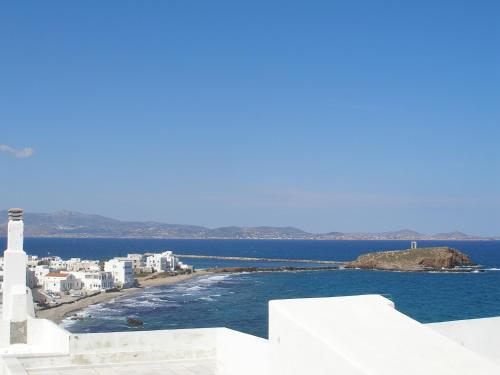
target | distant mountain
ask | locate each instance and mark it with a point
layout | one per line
(76, 224)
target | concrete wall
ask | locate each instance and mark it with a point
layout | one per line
(44, 336)
(361, 335)
(4, 335)
(232, 351)
(480, 335)
(296, 349)
(242, 354)
(144, 345)
(11, 366)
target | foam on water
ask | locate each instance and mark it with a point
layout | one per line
(152, 298)
(241, 301)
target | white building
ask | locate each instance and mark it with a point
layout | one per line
(122, 271)
(157, 263)
(59, 282)
(40, 272)
(354, 335)
(137, 261)
(73, 264)
(163, 262)
(184, 267)
(171, 260)
(57, 264)
(33, 260)
(91, 265)
(95, 280)
(31, 280)
(77, 264)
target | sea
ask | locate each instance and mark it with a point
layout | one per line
(240, 301)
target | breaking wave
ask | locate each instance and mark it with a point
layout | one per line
(155, 302)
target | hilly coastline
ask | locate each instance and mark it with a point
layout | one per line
(76, 225)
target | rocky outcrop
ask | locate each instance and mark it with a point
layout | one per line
(133, 322)
(424, 259)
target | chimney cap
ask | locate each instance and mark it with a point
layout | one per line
(16, 214)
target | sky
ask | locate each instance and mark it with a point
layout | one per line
(323, 115)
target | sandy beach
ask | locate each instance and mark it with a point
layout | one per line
(58, 313)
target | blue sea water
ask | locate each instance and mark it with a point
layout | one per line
(239, 301)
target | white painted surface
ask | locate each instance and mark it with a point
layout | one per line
(57, 264)
(193, 367)
(94, 280)
(15, 236)
(218, 351)
(168, 344)
(137, 261)
(61, 282)
(44, 336)
(17, 302)
(361, 335)
(157, 263)
(479, 335)
(122, 271)
(12, 366)
(242, 354)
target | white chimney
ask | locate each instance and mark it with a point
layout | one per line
(17, 299)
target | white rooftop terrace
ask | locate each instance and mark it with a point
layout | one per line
(340, 335)
(357, 335)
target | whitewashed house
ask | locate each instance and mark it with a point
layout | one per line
(137, 261)
(59, 282)
(157, 263)
(90, 265)
(40, 272)
(31, 280)
(122, 271)
(172, 261)
(163, 262)
(58, 264)
(95, 280)
(352, 335)
(184, 267)
(33, 260)
(73, 264)
(77, 264)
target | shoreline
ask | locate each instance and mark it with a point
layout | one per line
(58, 313)
(487, 238)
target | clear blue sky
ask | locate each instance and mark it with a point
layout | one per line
(325, 115)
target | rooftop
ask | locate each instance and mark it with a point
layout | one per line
(359, 335)
(355, 335)
(57, 274)
(192, 367)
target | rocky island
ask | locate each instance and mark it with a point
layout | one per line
(413, 260)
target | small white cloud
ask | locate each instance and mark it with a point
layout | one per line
(22, 153)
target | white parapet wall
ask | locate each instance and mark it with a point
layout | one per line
(479, 335)
(242, 354)
(231, 352)
(361, 335)
(45, 336)
(145, 345)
